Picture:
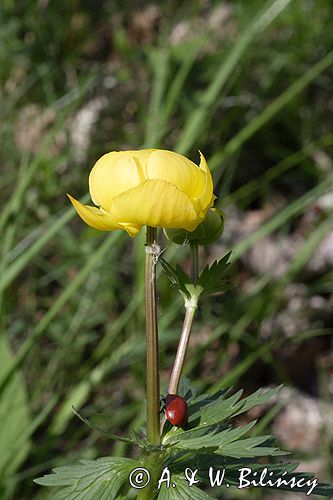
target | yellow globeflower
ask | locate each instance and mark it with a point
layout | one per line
(152, 187)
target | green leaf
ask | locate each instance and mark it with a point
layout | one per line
(227, 443)
(193, 442)
(250, 447)
(210, 439)
(259, 397)
(176, 435)
(180, 490)
(91, 480)
(230, 435)
(217, 410)
(213, 278)
(178, 278)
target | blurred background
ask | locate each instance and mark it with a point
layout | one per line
(250, 84)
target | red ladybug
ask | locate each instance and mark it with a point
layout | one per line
(176, 409)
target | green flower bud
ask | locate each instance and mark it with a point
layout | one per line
(208, 231)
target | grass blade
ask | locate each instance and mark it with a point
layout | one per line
(198, 118)
(275, 107)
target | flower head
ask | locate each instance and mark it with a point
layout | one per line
(207, 232)
(151, 187)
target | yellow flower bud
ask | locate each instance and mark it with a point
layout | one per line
(152, 187)
(208, 231)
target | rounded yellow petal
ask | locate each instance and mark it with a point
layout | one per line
(116, 172)
(156, 203)
(98, 219)
(206, 198)
(176, 169)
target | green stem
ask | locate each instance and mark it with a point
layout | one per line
(153, 459)
(191, 306)
(194, 256)
(153, 381)
(153, 462)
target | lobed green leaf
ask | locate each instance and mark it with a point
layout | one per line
(213, 278)
(180, 490)
(93, 479)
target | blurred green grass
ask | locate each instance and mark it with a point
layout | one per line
(249, 84)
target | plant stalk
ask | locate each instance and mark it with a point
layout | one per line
(153, 462)
(194, 256)
(191, 306)
(153, 380)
